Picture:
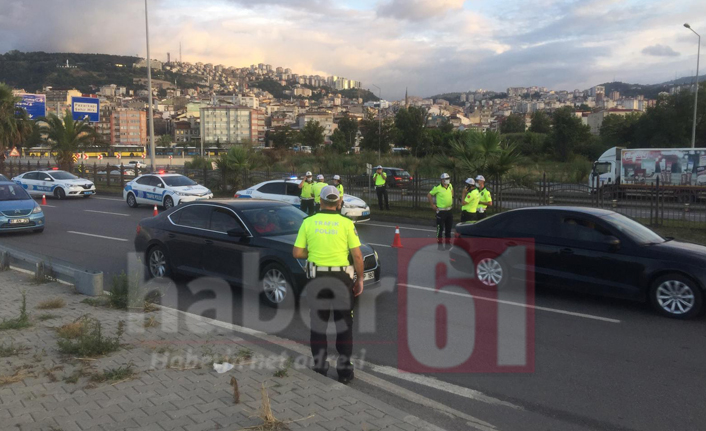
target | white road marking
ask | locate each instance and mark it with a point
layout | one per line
(97, 236)
(47, 206)
(401, 227)
(106, 212)
(518, 304)
(378, 245)
(107, 199)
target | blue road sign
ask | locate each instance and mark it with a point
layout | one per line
(85, 108)
(34, 104)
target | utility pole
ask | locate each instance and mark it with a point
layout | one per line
(696, 87)
(149, 90)
(379, 121)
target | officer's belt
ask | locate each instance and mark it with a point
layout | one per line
(445, 209)
(306, 199)
(333, 268)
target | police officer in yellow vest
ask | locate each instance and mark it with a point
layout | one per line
(325, 240)
(307, 194)
(339, 187)
(441, 200)
(469, 199)
(380, 179)
(485, 199)
(318, 186)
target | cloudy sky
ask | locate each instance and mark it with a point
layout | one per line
(430, 46)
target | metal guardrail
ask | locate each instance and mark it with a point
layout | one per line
(86, 282)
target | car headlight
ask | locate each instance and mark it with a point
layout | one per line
(37, 209)
(180, 193)
(376, 255)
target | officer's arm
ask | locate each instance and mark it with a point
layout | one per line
(358, 265)
(431, 200)
(301, 184)
(300, 253)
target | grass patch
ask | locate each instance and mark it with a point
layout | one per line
(114, 374)
(128, 294)
(151, 322)
(71, 330)
(52, 304)
(46, 316)
(101, 301)
(284, 371)
(10, 350)
(20, 374)
(20, 322)
(90, 341)
(244, 354)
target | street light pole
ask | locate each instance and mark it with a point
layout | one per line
(696, 90)
(149, 89)
(379, 120)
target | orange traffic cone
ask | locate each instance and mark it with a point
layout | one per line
(397, 242)
(44, 199)
(154, 214)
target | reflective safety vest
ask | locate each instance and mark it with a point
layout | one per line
(444, 196)
(340, 189)
(307, 190)
(485, 199)
(328, 237)
(317, 187)
(471, 201)
(380, 179)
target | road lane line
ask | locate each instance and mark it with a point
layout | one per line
(97, 236)
(47, 206)
(107, 199)
(106, 212)
(518, 304)
(401, 227)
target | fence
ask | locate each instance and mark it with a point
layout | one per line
(652, 204)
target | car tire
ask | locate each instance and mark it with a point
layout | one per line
(490, 271)
(131, 200)
(168, 202)
(59, 193)
(676, 296)
(276, 287)
(157, 261)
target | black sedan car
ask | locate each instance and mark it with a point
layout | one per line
(593, 251)
(209, 238)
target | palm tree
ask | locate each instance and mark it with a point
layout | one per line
(15, 126)
(67, 137)
(484, 153)
(232, 165)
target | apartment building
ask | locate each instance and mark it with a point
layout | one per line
(232, 125)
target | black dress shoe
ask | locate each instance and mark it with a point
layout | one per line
(322, 370)
(346, 378)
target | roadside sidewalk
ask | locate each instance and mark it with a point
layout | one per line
(159, 379)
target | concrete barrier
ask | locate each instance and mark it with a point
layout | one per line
(86, 282)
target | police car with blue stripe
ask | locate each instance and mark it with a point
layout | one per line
(59, 184)
(165, 190)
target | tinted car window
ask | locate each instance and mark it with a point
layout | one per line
(273, 188)
(179, 181)
(13, 192)
(3, 178)
(30, 176)
(633, 229)
(156, 182)
(223, 220)
(281, 220)
(195, 216)
(60, 175)
(581, 229)
(530, 224)
(145, 181)
(293, 189)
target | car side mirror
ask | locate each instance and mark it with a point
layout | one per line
(237, 232)
(612, 242)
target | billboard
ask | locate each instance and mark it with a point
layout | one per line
(34, 104)
(85, 108)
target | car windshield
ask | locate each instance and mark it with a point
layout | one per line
(603, 168)
(12, 192)
(60, 175)
(284, 220)
(633, 229)
(179, 181)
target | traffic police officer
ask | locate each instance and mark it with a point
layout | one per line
(325, 240)
(485, 199)
(339, 186)
(380, 179)
(441, 200)
(318, 186)
(470, 199)
(307, 194)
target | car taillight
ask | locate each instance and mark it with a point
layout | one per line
(398, 178)
(139, 229)
(411, 178)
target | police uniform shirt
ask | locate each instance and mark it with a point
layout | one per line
(328, 237)
(340, 189)
(307, 190)
(444, 195)
(317, 187)
(380, 179)
(484, 198)
(471, 201)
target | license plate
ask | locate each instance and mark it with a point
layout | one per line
(369, 276)
(87, 193)
(22, 221)
(366, 213)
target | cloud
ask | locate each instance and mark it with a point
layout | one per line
(660, 51)
(418, 10)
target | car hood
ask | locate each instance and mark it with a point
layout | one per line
(194, 190)
(681, 251)
(354, 201)
(17, 205)
(78, 181)
(288, 241)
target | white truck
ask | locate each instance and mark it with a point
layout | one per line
(680, 170)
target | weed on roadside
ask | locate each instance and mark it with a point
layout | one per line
(46, 316)
(20, 322)
(244, 354)
(115, 374)
(11, 349)
(51, 304)
(39, 355)
(125, 294)
(151, 322)
(42, 279)
(90, 341)
(284, 371)
(20, 374)
(100, 301)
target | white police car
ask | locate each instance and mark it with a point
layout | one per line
(59, 184)
(165, 190)
(287, 190)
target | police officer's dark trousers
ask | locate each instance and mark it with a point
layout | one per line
(331, 292)
(382, 193)
(467, 216)
(480, 215)
(307, 205)
(444, 224)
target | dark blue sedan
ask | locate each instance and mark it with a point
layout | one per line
(18, 211)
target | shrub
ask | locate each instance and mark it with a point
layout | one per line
(90, 341)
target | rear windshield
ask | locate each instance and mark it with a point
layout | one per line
(12, 192)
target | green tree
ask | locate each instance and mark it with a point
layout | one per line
(15, 125)
(583, 107)
(349, 127)
(68, 137)
(312, 135)
(233, 164)
(164, 141)
(513, 124)
(568, 131)
(411, 123)
(282, 137)
(378, 136)
(619, 130)
(541, 123)
(35, 138)
(484, 153)
(339, 143)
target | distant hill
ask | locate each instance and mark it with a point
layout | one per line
(649, 91)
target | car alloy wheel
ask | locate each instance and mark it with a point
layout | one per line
(157, 263)
(168, 203)
(675, 297)
(489, 272)
(59, 193)
(275, 286)
(131, 201)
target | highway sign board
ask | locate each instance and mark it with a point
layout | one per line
(34, 104)
(85, 108)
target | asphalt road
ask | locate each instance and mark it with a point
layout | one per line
(599, 364)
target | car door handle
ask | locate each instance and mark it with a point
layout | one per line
(171, 235)
(566, 251)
